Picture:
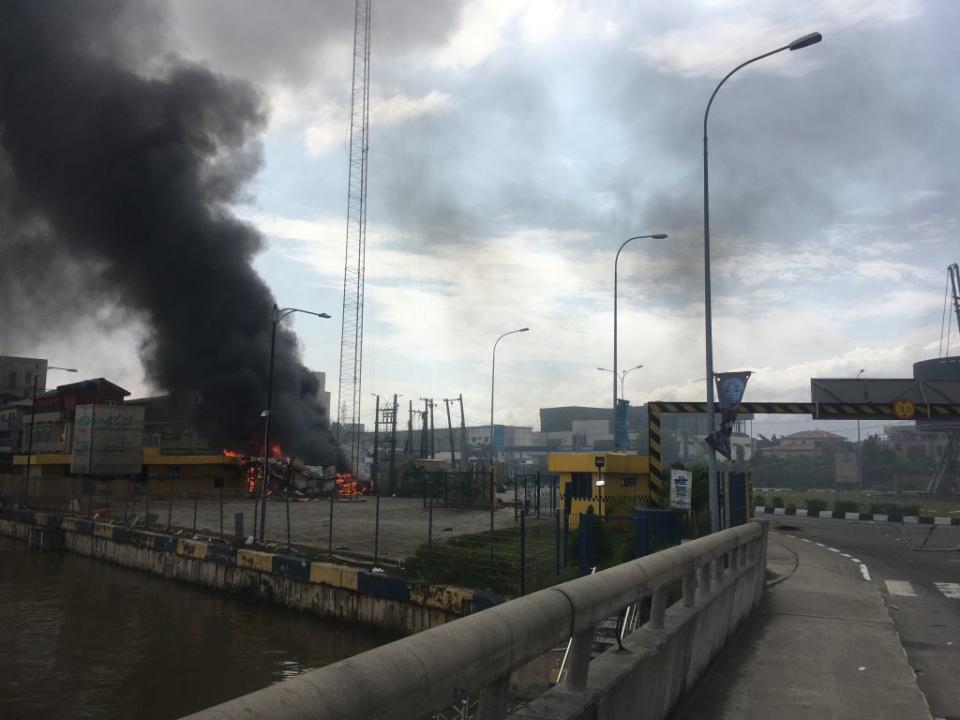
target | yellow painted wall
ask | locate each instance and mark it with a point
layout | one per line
(618, 498)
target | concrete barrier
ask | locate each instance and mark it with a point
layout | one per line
(722, 578)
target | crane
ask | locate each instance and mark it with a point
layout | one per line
(953, 272)
(354, 267)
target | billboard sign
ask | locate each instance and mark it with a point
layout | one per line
(107, 440)
(681, 489)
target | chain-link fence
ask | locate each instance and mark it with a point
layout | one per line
(449, 527)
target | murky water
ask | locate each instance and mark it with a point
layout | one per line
(83, 639)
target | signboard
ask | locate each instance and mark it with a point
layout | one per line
(681, 489)
(904, 409)
(107, 440)
(599, 461)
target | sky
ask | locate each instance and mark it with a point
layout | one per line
(515, 145)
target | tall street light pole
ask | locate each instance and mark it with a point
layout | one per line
(859, 455)
(797, 44)
(33, 412)
(616, 262)
(493, 374)
(278, 316)
(622, 375)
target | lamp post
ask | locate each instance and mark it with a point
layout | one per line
(797, 44)
(622, 375)
(493, 373)
(33, 411)
(859, 454)
(278, 316)
(616, 261)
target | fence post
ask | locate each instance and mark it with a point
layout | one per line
(289, 544)
(493, 500)
(430, 519)
(523, 554)
(516, 499)
(221, 513)
(169, 507)
(333, 492)
(537, 501)
(556, 538)
(126, 502)
(195, 501)
(585, 545)
(566, 537)
(146, 508)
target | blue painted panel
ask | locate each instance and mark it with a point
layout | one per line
(484, 600)
(222, 554)
(121, 535)
(165, 543)
(53, 522)
(383, 586)
(141, 538)
(85, 527)
(293, 567)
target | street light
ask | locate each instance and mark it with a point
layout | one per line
(622, 375)
(797, 44)
(33, 410)
(493, 373)
(616, 261)
(278, 316)
(859, 455)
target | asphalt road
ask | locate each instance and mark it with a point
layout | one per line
(921, 588)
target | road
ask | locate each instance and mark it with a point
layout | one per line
(921, 588)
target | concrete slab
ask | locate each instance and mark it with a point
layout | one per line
(822, 645)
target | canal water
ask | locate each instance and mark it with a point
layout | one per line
(80, 638)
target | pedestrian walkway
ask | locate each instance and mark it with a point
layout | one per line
(821, 645)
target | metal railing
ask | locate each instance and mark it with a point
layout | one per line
(422, 674)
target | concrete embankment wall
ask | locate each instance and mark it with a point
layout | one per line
(329, 590)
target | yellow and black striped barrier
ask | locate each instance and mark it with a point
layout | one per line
(818, 410)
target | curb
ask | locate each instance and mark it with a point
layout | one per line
(869, 517)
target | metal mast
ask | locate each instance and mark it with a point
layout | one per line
(351, 334)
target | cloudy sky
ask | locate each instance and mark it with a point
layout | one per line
(514, 145)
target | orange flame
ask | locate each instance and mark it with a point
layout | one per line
(347, 484)
(275, 451)
(232, 454)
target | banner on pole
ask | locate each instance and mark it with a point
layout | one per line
(622, 435)
(730, 388)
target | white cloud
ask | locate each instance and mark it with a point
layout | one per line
(715, 42)
(329, 123)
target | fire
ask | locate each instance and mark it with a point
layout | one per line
(275, 451)
(348, 485)
(232, 454)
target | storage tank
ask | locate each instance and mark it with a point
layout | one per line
(945, 368)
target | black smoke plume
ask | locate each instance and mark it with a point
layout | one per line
(118, 167)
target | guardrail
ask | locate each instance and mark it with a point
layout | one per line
(432, 670)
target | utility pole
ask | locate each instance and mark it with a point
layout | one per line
(453, 452)
(375, 474)
(392, 481)
(433, 427)
(463, 434)
(408, 445)
(424, 443)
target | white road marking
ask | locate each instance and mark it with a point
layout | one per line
(951, 590)
(846, 555)
(864, 572)
(900, 588)
(856, 560)
(805, 539)
(821, 544)
(833, 550)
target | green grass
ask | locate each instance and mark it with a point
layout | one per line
(928, 506)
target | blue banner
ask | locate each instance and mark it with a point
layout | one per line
(730, 388)
(621, 438)
(498, 438)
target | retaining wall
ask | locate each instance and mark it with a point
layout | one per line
(333, 591)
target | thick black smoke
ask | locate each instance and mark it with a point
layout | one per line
(118, 167)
